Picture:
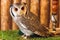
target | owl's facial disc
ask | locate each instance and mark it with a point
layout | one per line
(18, 10)
(14, 10)
(11, 11)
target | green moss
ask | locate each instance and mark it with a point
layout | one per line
(16, 35)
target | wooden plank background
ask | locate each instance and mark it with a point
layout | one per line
(41, 8)
(5, 16)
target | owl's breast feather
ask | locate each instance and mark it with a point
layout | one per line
(19, 22)
(23, 25)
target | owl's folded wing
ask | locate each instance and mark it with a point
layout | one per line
(33, 24)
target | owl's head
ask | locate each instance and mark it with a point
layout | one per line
(16, 10)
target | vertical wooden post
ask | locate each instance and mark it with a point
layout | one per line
(44, 12)
(5, 16)
(54, 14)
(34, 7)
(14, 26)
(50, 26)
(28, 5)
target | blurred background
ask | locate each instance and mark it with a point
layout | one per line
(44, 9)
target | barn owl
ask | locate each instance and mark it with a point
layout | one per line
(27, 22)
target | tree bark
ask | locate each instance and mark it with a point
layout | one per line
(5, 15)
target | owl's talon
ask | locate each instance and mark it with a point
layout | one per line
(25, 37)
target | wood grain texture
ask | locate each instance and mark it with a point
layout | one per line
(50, 25)
(14, 26)
(34, 7)
(44, 12)
(5, 16)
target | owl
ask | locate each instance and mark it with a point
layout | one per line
(27, 22)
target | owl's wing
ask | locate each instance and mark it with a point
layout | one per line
(32, 23)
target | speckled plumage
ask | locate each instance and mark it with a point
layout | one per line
(27, 22)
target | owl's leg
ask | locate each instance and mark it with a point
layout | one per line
(26, 32)
(26, 36)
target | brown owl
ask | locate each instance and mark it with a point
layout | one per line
(27, 22)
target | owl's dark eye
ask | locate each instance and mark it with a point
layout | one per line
(16, 9)
(22, 8)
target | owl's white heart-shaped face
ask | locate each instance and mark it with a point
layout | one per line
(16, 10)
